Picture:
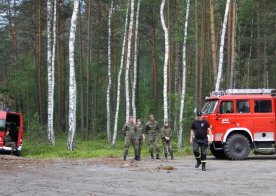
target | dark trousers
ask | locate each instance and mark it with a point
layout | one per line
(200, 147)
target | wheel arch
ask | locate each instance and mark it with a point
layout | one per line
(244, 131)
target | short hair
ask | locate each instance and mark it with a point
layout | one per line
(139, 119)
(130, 117)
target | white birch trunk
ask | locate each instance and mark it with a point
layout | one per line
(135, 62)
(51, 45)
(72, 79)
(220, 65)
(165, 86)
(128, 59)
(183, 92)
(119, 81)
(109, 74)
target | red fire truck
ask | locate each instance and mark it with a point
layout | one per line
(12, 122)
(241, 120)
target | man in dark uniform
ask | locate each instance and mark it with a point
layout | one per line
(199, 130)
(130, 137)
(152, 131)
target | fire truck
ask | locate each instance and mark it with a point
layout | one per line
(242, 120)
(12, 122)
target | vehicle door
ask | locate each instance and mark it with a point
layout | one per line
(264, 120)
(244, 114)
(226, 117)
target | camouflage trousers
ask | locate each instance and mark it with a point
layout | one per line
(153, 141)
(139, 144)
(167, 146)
(129, 141)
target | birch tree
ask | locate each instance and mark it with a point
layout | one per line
(183, 92)
(72, 79)
(220, 65)
(165, 85)
(128, 59)
(109, 74)
(119, 79)
(51, 46)
(135, 62)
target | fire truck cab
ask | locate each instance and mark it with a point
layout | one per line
(241, 120)
(13, 122)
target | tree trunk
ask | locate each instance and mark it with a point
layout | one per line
(153, 53)
(202, 59)
(196, 57)
(213, 39)
(60, 115)
(38, 50)
(51, 29)
(233, 47)
(165, 85)
(183, 92)
(119, 79)
(81, 80)
(134, 83)
(109, 73)
(220, 65)
(229, 45)
(258, 45)
(128, 60)
(88, 56)
(72, 79)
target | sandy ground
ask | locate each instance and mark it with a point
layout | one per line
(113, 176)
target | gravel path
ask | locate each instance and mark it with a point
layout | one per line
(113, 176)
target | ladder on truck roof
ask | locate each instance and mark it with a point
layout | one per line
(244, 92)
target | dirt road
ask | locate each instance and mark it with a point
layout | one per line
(112, 176)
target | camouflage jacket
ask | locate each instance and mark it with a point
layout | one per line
(139, 132)
(152, 128)
(166, 132)
(129, 130)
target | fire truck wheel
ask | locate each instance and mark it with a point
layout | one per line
(237, 147)
(219, 154)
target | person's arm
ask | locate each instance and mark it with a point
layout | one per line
(210, 135)
(192, 136)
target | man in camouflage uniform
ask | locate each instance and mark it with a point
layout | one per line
(152, 130)
(139, 138)
(8, 141)
(130, 137)
(167, 140)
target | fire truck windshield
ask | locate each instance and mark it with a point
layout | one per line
(210, 107)
(2, 125)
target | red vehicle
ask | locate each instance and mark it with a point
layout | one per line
(14, 123)
(241, 120)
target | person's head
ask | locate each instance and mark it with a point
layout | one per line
(151, 117)
(166, 123)
(139, 122)
(199, 115)
(130, 119)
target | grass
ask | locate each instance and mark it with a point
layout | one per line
(37, 147)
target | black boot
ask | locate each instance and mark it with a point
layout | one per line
(197, 163)
(166, 156)
(157, 156)
(138, 158)
(203, 166)
(124, 158)
(171, 156)
(151, 155)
